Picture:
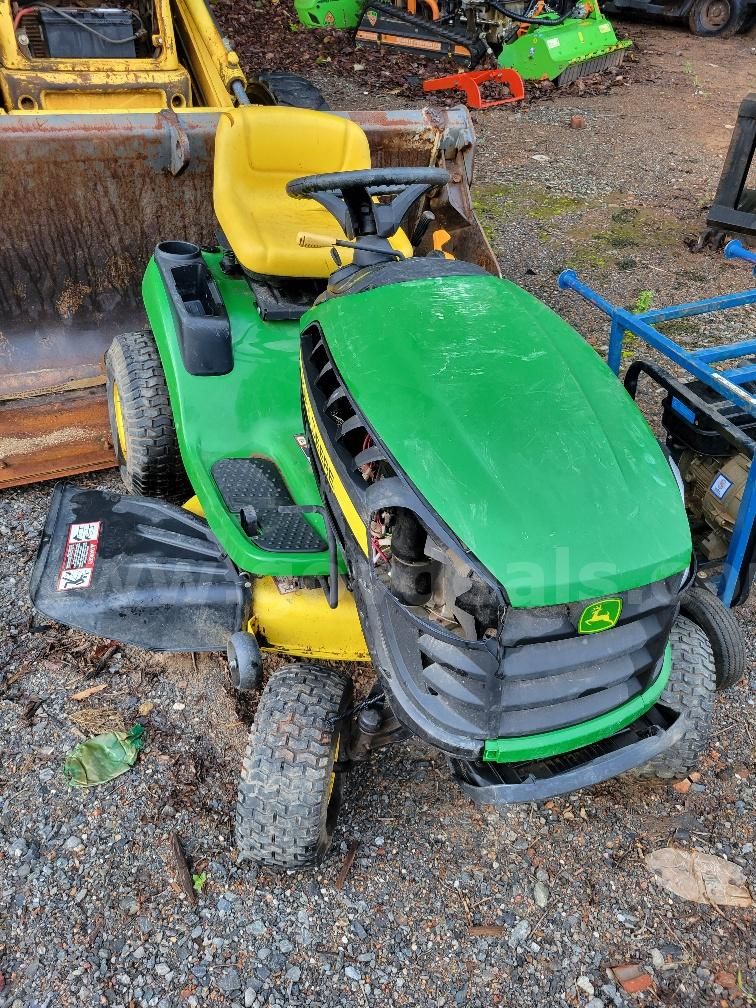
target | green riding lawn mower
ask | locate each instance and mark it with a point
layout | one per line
(386, 454)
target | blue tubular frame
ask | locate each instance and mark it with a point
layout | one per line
(727, 383)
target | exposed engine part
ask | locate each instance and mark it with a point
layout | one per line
(714, 491)
(435, 580)
(410, 570)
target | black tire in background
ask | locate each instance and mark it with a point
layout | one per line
(722, 18)
(141, 421)
(275, 87)
(290, 791)
(725, 636)
(689, 690)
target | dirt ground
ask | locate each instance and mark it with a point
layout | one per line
(90, 913)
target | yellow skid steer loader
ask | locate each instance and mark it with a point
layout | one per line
(108, 110)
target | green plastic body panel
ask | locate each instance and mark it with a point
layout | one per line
(254, 410)
(544, 52)
(532, 747)
(329, 13)
(515, 432)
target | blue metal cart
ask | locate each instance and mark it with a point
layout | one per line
(733, 407)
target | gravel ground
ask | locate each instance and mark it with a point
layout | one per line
(90, 912)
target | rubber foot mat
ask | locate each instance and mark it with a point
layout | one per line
(257, 483)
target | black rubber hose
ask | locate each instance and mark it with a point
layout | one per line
(527, 20)
(408, 537)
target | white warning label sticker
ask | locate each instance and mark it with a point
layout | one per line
(720, 486)
(79, 556)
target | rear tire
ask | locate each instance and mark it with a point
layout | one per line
(141, 421)
(275, 87)
(718, 623)
(290, 791)
(689, 690)
(722, 18)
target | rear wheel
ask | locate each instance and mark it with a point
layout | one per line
(290, 787)
(718, 623)
(276, 87)
(717, 17)
(689, 690)
(141, 421)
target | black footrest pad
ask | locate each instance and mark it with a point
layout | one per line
(257, 483)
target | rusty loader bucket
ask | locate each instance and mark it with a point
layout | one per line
(85, 199)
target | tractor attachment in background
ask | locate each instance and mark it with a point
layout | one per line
(470, 83)
(734, 206)
(710, 423)
(559, 41)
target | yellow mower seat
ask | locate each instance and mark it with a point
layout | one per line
(258, 149)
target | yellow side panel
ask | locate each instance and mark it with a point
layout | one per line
(301, 622)
(103, 101)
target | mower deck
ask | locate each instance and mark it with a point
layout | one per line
(136, 570)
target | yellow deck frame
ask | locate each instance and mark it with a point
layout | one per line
(300, 622)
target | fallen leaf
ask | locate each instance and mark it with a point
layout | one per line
(699, 878)
(89, 691)
(727, 980)
(146, 708)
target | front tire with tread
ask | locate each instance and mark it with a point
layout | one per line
(289, 792)
(689, 691)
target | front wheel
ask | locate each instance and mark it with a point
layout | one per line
(689, 691)
(290, 787)
(723, 18)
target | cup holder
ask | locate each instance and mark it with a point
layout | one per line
(181, 251)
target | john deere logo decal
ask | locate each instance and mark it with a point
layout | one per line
(600, 615)
(329, 19)
(372, 17)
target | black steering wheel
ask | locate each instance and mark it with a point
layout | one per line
(349, 196)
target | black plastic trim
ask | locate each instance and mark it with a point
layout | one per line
(475, 778)
(160, 579)
(202, 323)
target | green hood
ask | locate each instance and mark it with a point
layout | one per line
(516, 434)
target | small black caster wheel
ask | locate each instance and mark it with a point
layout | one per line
(244, 661)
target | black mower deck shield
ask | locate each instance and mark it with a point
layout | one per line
(138, 571)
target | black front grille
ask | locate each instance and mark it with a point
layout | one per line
(350, 437)
(553, 677)
(538, 676)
